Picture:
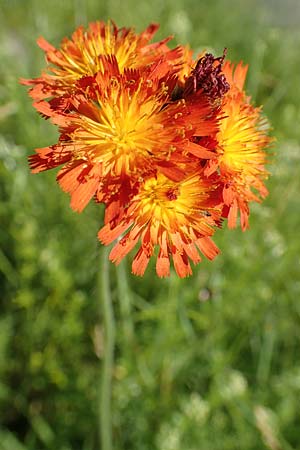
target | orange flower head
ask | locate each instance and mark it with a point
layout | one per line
(170, 146)
(242, 140)
(176, 217)
(82, 55)
(121, 126)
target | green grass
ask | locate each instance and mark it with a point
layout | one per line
(213, 360)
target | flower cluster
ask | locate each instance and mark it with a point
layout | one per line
(171, 146)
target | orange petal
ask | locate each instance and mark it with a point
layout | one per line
(81, 182)
(240, 75)
(181, 264)
(192, 253)
(171, 171)
(107, 234)
(232, 215)
(163, 265)
(199, 151)
(120, 250)
(44, 45)
(140, 263)
(244, 215)
(228, 195)
(208, 247)
(48, 158)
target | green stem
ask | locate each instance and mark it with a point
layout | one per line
(105, 414)
(125, 303)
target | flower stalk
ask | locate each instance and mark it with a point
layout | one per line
(106, 311)
(125, 303)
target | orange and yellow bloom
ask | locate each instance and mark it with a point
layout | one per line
(82, 55)
(172, 147)
(176, 217)
(242, 139)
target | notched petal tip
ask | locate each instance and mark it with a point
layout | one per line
(163, 265)
(140, 262)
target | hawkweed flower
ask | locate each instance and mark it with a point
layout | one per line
(171, 146)
(176, 217)
(82, 55)
(242, 140)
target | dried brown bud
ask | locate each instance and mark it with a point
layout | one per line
(208, 76)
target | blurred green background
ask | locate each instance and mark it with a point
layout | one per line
(207, 363)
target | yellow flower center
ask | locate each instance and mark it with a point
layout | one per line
(171, 203)
(241, 140)
(125, 132)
